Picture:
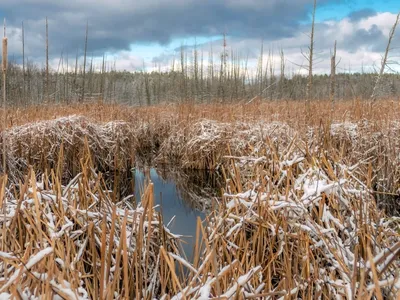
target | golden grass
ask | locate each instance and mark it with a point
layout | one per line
(304, 226)
(300, 215)
(291, 112)
(74, 242)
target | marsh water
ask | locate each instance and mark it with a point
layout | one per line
(182, 198)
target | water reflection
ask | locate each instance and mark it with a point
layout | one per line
(183, 195)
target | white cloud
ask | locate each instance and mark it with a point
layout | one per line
(352, 55)
(384, 21)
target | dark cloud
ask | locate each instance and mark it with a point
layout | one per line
(116, 24)
(358, 15)
(373, 38)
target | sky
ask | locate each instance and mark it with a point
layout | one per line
(136, 35)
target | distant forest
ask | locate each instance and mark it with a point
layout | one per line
(197, 82)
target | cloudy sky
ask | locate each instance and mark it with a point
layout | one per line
(134, 33)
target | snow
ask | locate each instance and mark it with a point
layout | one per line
(5, 296)
(205, 292)
(38, 257)
(32, 261)
(5, 255)
(183, 262)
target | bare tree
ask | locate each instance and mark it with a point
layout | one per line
(84, 63)
(310, 60)
(260, 74)
(384, 60)
(23, 63)
(222, 70)
(272, 80)
(102, 80)
(282, 75)
(333, 78)
(4, 67)
(66, 95)
(47, 62)
(76, 71)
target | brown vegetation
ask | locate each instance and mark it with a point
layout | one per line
(300, 212)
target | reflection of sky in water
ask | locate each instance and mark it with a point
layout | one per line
(165, 193)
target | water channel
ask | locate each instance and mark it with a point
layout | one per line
(182, 198)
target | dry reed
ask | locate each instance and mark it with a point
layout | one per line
(73, 242)
(296, 224)
(300, 215)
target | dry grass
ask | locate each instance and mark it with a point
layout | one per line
(60, 145)
(75, 242)
(300, 214)
(197, 136)
(296, 224)
(291, 112)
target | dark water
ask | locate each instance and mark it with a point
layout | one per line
(183, 196)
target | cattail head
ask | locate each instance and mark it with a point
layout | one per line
(4, 55)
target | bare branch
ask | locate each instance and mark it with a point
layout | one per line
(384, 60)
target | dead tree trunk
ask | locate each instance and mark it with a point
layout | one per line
(310, 62)
(47, 62)
(384, 61)
(84, 64)
(333, 79)
(4, 67)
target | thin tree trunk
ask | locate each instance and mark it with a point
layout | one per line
(84, 64)
(23, 65)
(4, 67)
(260, 73)
(333, 79)
(384, 60)
(47, 62)
(102, 80)
(184, 94)
(310, 62)
(282, 77)
(66, 93)
(76, 71)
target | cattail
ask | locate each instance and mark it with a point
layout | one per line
(4, 55)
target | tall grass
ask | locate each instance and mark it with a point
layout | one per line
(300, 213)
(74, 241)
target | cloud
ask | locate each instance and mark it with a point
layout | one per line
(358, 15)
(361, 45)
(116, 24)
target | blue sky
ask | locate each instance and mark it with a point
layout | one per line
(340, 10)
(137, 32)
(150, 50)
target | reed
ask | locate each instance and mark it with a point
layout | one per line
(306, 211)
(198, 136)
(296, 225)
(75, 242)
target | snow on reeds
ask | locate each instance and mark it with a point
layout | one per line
(377, 148)
(60, 143)
(73, 242)
(204, 143)
(299, 215)
(305, 226)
